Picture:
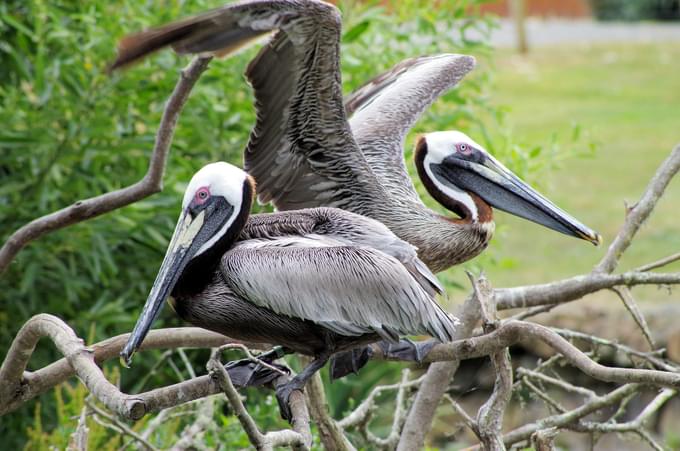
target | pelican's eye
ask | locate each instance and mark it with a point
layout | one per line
(202, 195)
(464, 149)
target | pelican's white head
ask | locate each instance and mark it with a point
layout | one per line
(214, 209)
(466, 179)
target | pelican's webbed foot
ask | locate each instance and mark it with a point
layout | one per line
(407, 349)
(344, 363)
(283, 391)
(352, 361)
(251, 373)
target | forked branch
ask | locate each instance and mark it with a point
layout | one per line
(151, 183)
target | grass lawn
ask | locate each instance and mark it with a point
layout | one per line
(627, 98)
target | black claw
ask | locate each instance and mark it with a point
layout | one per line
(350, 361)
(283, 392)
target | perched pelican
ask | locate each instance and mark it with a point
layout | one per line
(303, 151)
(315, 281)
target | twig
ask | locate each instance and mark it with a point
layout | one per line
(187, 363)
(189, 439)
(524, 432)
(637, 215)
(151, 183)
(78, 440)
(122, 427)
(467, 419)
(521, 316)
(639, 421)
(629, 302)
(398, 419)
(659, 263)
(599, 341)
(544, 396)
(362, 411)
(564, 385)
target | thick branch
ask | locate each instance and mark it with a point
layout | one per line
(490, 414)
(151, 182)
(576, 287)
(20, 386)
(435, 384)
(330, 433)
(135, 406)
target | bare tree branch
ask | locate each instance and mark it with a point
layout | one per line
(543, 440)
(649, 357)
(524, 432)
(637, 215)
(118, 426)
(490, 414)
(573, 288)
(435, 384)
(189, 439)
(135, 406)
(262, 442)
(629, 302)
(151, 183)
(330, 433)
(659, 263)
(564, 385)
(78, 440)
(20, 386)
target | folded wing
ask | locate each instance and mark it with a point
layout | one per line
(352, 290)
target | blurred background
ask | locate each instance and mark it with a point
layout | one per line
(579, 97)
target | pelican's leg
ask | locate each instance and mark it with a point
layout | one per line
(352, 361)
(283, 391)
(250, 373)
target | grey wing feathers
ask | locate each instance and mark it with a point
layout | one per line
(384, 110)
(346, 228)
(348, 289)
(220, 31)
(301, 151)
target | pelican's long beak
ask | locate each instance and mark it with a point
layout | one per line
(182, 248)
(502, 189)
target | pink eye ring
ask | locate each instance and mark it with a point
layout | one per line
(202, 194)
(464, 148)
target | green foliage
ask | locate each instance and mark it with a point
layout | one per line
(68, 400)
(70, 131)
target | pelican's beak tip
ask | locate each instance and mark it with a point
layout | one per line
(595, 238)
(125, 359)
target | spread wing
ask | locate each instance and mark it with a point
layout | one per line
(384, 110)
(351, 290)
(301, 150)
